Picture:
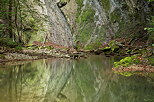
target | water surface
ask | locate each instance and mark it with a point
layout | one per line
(65, 80)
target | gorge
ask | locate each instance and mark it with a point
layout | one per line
(76, 50)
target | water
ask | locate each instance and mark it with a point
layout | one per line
(65, 80)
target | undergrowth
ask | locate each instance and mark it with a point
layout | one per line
(7, 42)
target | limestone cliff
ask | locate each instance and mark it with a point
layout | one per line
(99, 21)
(90, 23)
(60, 31)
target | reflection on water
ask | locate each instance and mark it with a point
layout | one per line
(64, 80)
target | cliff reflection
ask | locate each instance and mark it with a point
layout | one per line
(64, 80)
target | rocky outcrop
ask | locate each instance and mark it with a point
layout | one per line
(60, 32)
(91, 23)
(99, 21)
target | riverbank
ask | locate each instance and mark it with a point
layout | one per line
(134, 70)
(135, 65)
(11, 54)
(121, 47)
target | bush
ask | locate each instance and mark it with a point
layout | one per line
(9, 43)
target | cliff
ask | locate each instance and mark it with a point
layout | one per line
(82, 23)
(90, 23)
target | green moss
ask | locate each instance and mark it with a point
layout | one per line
(32, 46)
(18, 47)
(2, 56)
(49, 47)
(87, 15)
(34, 29)
(64, 0)
(115, 15)
(93, 46)
(106, 4)
(89, 47)
(113, 45)
(79, 3)
(151, 60)
(127, 61)
(86, 24)
(125, 25)
(85, 33)
(107, 48)
(127, 74)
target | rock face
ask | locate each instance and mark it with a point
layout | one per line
(99, 21)
(90, 23)
(60, 32)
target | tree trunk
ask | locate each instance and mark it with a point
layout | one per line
(10, 19)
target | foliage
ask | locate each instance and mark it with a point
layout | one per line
(93, 46)
(87, 15)
(19, 47)
(33, 47)
(1, 29)
(9, 43)
(106, 48)
(22, 19)
(2, 56)
(106, 4)
(64, 1)
(150, 0)
(114, 45)
(33, 21)
(85, 33)
(85, 23)
(80, 4)
(150, 30)
(151, 60)
(127, 61)
(127, 74)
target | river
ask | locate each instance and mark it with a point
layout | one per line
(66, 80)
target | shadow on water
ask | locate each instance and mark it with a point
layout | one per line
(64, 80)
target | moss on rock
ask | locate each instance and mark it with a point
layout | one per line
(80, 3)
(106, 4)
(85, 24)
(87, 15)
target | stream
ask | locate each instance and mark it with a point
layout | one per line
(68, 80)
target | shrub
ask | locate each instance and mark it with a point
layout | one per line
(9, 43)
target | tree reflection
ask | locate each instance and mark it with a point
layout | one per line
(64, 80)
